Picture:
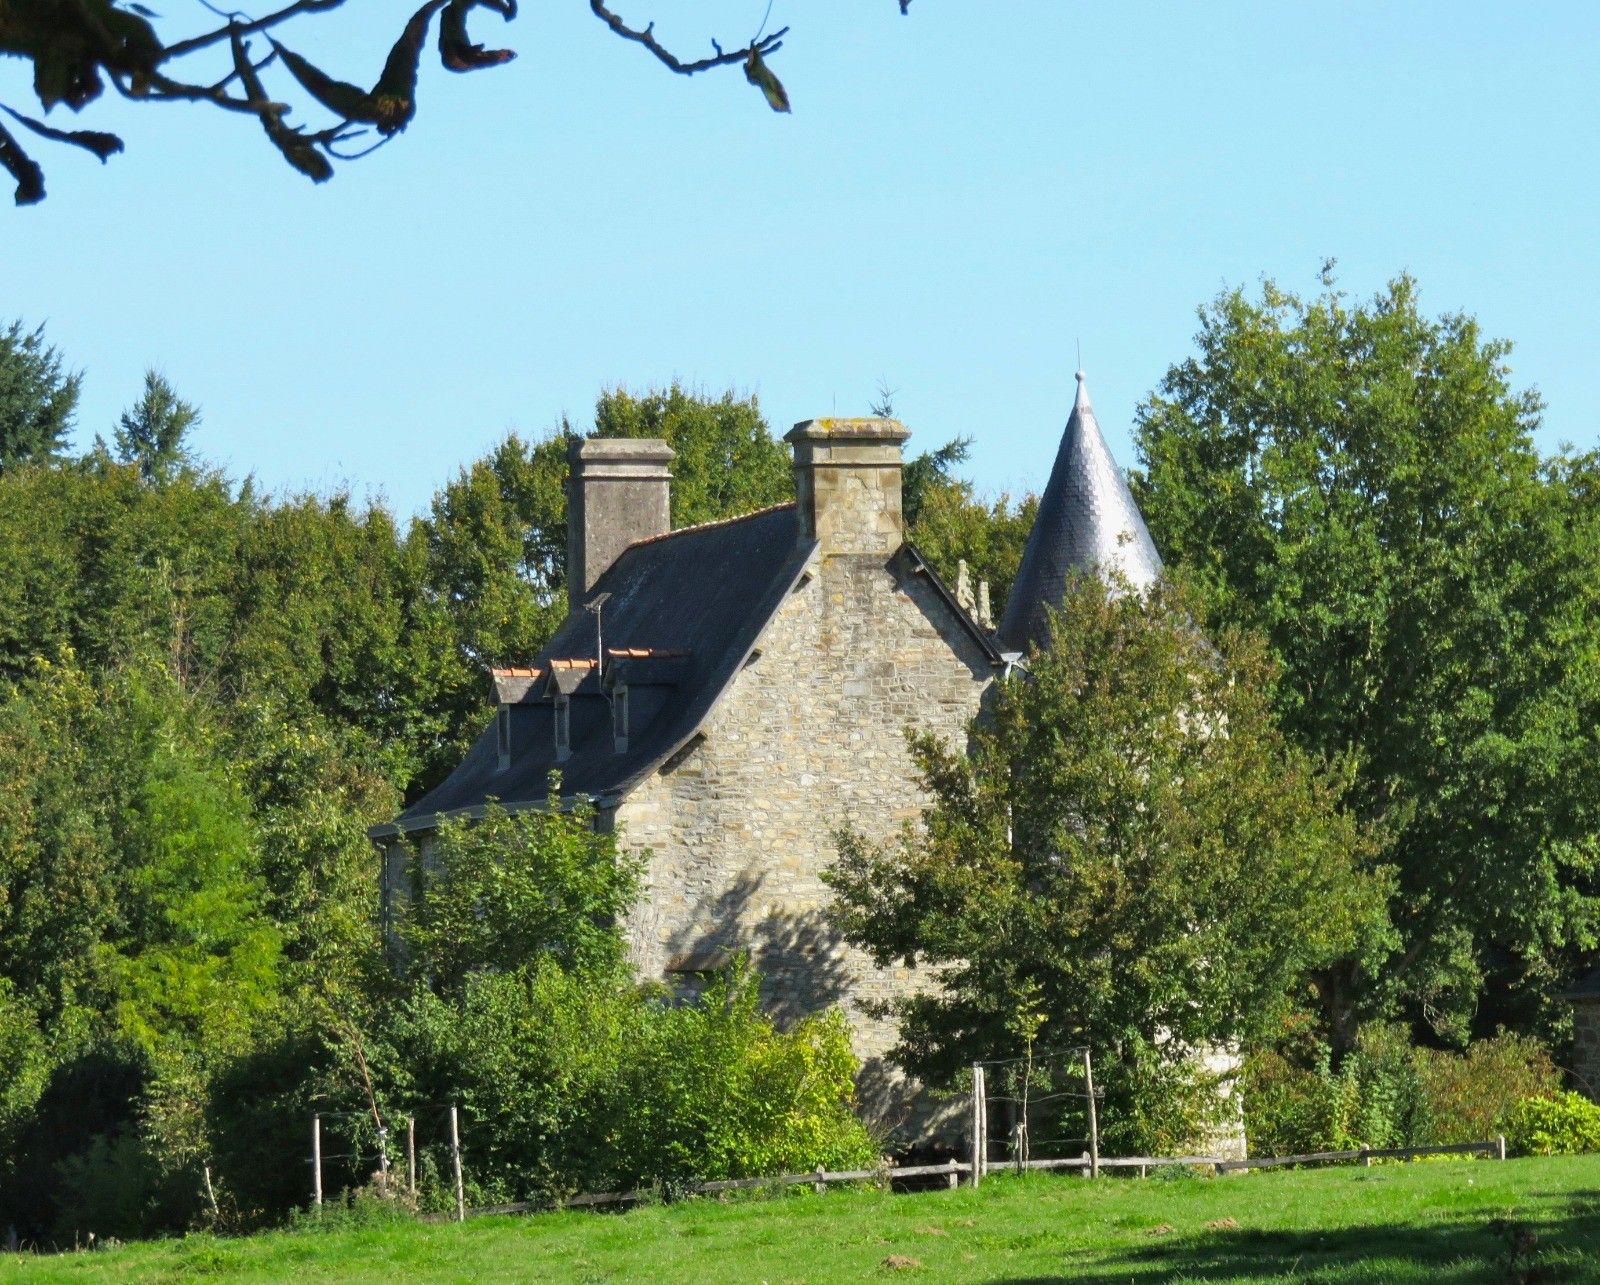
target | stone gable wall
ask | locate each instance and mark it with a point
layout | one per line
(810, 737)
(1586, 1047)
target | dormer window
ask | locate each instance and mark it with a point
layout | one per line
(619, 716)
(563, 707)
(502, 737)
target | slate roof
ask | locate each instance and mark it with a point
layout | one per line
(1087, 521)
(686, 608)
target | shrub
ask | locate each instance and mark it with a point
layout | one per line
(1292, 1108)
(1387, 1092)
(588, 1082)
(508, 890)
(715, 1090)
(1562, 1124)
(1471, 1094)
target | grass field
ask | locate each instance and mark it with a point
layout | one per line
(1462, 1220)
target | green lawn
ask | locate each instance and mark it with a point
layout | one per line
(1462, 1220)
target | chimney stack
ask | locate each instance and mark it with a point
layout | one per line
(618, 491)
(847, 483)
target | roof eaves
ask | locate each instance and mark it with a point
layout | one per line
(430, 821)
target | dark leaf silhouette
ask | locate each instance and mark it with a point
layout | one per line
(760, 75)
(350, 102)
(396, 90)
(91, 140)
(456, 48)
(23, 168)
(298, 150)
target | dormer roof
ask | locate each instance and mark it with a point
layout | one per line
(1087, 521)
(684, 611)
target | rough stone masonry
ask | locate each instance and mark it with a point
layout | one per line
(731, 695)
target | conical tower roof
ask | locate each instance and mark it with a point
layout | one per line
(1087, 521)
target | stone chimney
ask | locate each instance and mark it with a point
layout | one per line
(847, 482)
(618, 491)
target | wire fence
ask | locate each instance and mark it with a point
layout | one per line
(1033, 1107)
(1037, 1111)
(414, 1157)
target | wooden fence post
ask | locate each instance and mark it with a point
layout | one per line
(1094, 1118)
(1500, 1145)
(316, 1159)
(411, 1155)
(983, 1120)
(819, 1186)
(977, 1124)
(455, 1164)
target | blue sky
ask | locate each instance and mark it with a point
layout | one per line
(960, 196)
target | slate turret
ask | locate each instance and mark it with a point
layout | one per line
(1087, 521)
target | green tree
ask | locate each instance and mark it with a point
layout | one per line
(151, 433)
(136, 936)
(37, 398)
(924, 472)
(508, 890)
(1130, 844)
(726, 460)
(954, 524)
(1358, 481)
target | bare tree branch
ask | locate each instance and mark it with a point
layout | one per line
(182, 47)
(76, 46)
(646, 37)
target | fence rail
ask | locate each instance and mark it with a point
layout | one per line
(1366, 1155)
(952, 1170)
(818, 1178)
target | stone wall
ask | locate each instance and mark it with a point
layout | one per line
(811, 737)
(1586, 1046)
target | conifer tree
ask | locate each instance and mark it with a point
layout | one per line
(37, 397)
(151, 432)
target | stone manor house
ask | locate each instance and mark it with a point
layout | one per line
(731, 694)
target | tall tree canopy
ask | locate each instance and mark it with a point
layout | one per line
(206, 696)
(151, 434)
(1358, 480)
(1130, 856)
(77, 46)
(37, 397)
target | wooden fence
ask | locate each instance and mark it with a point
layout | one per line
(1366, 1155)
(1221, 1164)
(952, 1171)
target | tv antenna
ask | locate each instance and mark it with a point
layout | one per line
(597, 604)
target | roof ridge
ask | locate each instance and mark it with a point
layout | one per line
(706, 526)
